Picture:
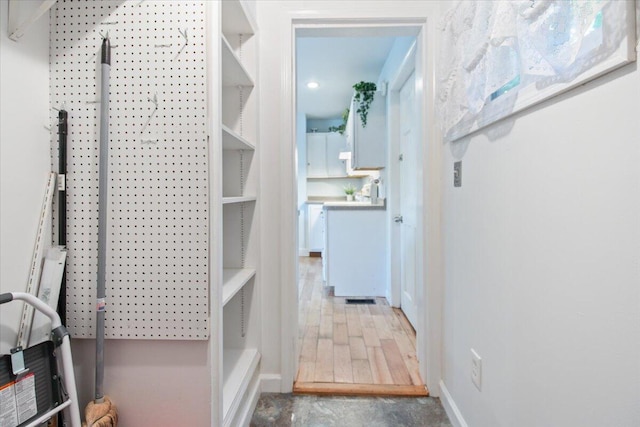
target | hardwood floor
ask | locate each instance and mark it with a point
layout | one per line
(352, 349)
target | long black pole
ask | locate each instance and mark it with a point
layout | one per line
(62, 205)
(63, 132)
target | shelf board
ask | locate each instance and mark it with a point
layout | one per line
(233, 141)
(233, 72)
(238, 367)
(235, 19)
(234, 279)
(18, 28)
(238, 199)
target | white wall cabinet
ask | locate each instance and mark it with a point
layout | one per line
(335, 144)
(316, 155)
(323, 150)
(316, 227)
(238, 249)
(368, 145)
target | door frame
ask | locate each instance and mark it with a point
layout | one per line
(429, 337)
(393, 200)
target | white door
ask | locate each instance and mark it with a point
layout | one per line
(408, 198)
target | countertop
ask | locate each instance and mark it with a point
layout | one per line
(340, 203)
(314, 200)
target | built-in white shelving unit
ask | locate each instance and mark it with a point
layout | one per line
(239, 205)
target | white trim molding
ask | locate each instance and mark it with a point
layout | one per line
(450, 407)
(271, 383)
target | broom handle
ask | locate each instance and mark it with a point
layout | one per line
(102, 217)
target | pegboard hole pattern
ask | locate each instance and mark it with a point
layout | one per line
(158, 203)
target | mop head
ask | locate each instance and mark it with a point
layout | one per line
(101, 414)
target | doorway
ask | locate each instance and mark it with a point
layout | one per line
(362, 348)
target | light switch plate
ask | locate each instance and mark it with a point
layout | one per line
(457, 174)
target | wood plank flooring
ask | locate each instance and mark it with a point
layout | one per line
(352, 349)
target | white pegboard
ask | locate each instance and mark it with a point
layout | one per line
(157, 262)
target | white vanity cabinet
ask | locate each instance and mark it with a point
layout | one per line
(368, 145)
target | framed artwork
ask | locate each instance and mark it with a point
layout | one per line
(501, 57)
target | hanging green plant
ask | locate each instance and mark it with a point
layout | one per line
(364, 98)
(340, 129)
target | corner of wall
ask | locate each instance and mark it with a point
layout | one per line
(24, 157)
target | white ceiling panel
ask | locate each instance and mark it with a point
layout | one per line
(336, 63)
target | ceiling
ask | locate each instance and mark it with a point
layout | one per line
(336, 63)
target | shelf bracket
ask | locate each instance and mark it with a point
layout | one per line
(17, 28)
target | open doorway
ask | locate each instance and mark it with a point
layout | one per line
(357, 291)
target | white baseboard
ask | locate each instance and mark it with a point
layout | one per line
(303, 252)
(271, 383)
(455, 416)
(252, 402)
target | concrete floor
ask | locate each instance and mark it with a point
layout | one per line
(276, 410)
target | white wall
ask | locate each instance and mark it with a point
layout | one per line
(322, 125)
(334, 187)
(152, 382)
(24, 157)
(541, 253)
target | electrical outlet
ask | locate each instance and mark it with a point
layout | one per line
(476, 369)
(457, 174)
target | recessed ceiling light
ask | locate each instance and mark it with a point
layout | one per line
(313, 85)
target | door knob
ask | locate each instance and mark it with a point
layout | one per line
(398, 218)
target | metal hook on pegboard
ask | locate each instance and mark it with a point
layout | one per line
(184, 34)
(62, 107)
(103, 36)
(154, 100)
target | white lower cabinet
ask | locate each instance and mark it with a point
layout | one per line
(355, 253)
(316, 227)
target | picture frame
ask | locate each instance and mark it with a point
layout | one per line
(611, 45)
